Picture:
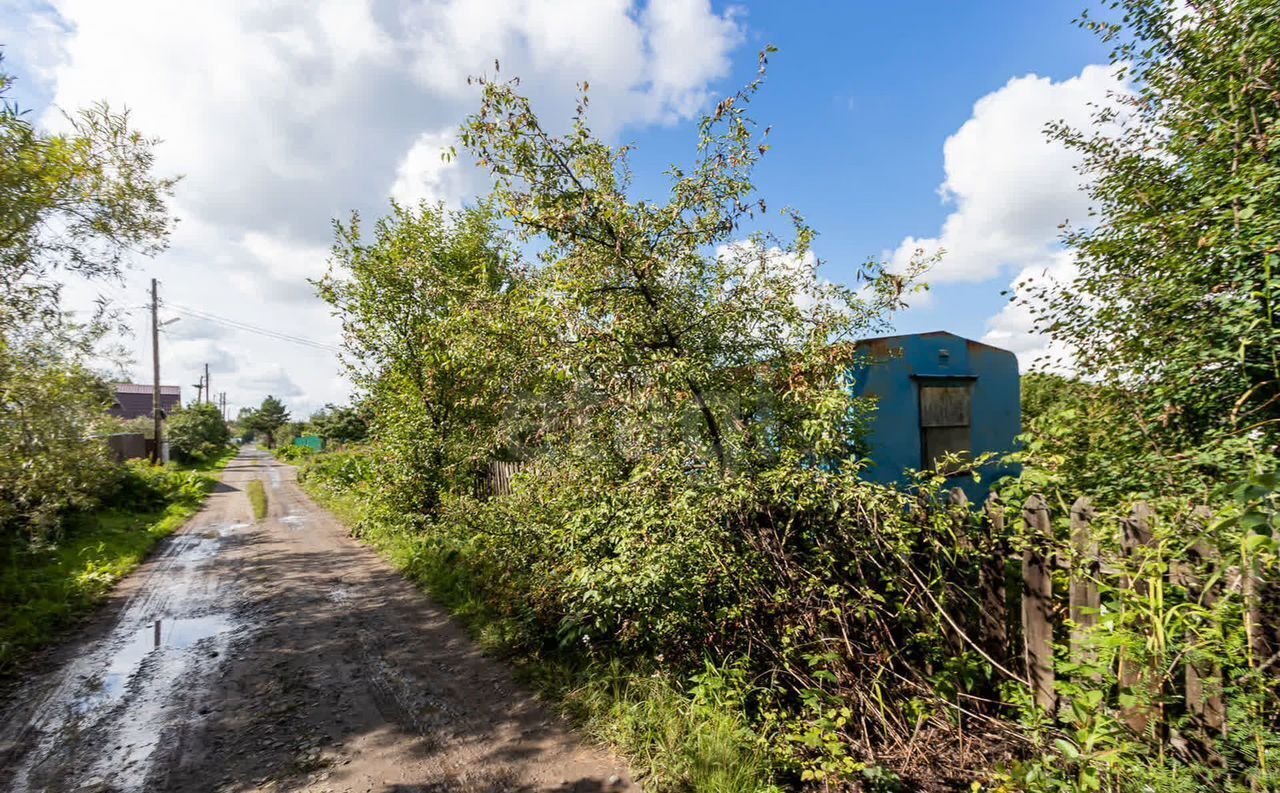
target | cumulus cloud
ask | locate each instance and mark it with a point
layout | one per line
(283, 115)
(1013, 328)
(424, 173)
(270, 379)
(1012, 189)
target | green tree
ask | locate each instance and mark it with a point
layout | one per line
(338, 424)
(428, 304)
(1175, 300)
(50, 464)
(75, 203)
(671, 324)
(197, 432)
(268, 418)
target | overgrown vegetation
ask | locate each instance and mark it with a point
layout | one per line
(197, 432)
(72, 204)
(1170, 327)
(689, 556)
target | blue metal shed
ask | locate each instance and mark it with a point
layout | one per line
(938, 393)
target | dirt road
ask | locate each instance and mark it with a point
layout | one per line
(280, 655)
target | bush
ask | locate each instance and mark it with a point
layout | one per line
(292, 453)
(196, 433)
(141, 487)
(51, 465)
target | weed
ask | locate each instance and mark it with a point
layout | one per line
(258, 498)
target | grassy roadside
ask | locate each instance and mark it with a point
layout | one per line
(676, 736)
(46, 589)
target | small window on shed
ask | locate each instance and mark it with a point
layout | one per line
(945, 417)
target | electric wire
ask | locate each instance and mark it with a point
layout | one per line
(248, 328)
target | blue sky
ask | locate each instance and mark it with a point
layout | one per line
(283, 115)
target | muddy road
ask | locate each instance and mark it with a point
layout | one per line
(280, 655)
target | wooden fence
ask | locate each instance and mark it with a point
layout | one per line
(1041, 613)
(496, 479)
(1136, 569)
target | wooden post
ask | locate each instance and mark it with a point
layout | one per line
(995, 636)
(1203, 676)
(1037, 601)
(1135, 537)
(1085, 600)
(1262, 601)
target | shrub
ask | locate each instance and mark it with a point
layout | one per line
(51, 466)
(197, 432)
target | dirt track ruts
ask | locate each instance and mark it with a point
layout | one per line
(289, 657)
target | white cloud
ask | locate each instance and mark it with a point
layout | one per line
(283, 115)
(1012, 189)
(424, 174)
(272, 379)
(1013, 328)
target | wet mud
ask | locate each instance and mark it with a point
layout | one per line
(280, 655)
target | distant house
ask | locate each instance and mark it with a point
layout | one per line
(133, 400)
(939, 394)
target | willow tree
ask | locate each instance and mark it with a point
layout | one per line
(73, 204)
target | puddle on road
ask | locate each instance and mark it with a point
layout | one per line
(171, 634)
(104, 713)
(294, 522)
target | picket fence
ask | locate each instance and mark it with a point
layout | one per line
(497, 479)
(1088, 572)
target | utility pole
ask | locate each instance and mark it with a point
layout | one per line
(208, 391)
(199, 391)
(155, 372)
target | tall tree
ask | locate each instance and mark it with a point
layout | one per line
(668, 314)
(1175, 302)
(268, 418)
(78, 203)
(422, 299)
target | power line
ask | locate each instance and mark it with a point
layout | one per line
(246, 327)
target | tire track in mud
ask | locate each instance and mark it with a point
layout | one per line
(290, 658)
(96, 721)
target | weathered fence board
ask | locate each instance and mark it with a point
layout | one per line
(1203, 676)
(497, 479)
(1085, 600)
(993, 623)
(1037, 601)
(1134, 674)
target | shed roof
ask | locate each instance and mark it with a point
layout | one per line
(145, 388)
